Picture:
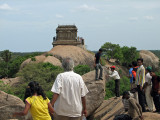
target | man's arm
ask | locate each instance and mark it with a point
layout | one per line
(113, 74)
(54, 98)
(84, 110)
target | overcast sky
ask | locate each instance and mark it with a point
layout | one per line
(30, 25)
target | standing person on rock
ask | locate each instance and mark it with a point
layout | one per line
(69, 94)
(134, 109)
(148, 88)
(114, 74)
(156, 90)
(140, 80)
(37, 102)
(131, 75)
(97, 65)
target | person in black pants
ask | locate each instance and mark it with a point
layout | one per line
(114, 74)
(97, 65)
(140, 80)
(156, 90)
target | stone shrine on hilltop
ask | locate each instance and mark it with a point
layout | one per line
(67, 35)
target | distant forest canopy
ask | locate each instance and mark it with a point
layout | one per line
(156, 52)
(16, 54)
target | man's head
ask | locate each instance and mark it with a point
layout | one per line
(140, 61)
(153, 74)
(100, 50)
(68, 64)
(113, 68)
(148, 69)
(134, 63)
(126, 95)
(129, 66)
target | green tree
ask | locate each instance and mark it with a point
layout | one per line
(6, 57)
(112, 51)
(129, 55)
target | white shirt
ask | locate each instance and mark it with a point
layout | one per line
(114, 75)
(70, 87)
(148, 78)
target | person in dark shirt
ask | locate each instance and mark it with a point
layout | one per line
(156, 90)
(97, 65)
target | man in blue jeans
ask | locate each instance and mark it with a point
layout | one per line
(97, 65)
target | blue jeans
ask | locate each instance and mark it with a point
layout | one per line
(99, 66)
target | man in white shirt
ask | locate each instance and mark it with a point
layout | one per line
(69, 94)
(114, 74)
(148, 88)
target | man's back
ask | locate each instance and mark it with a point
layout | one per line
(97, 56)
(134, 108)
(70, 87)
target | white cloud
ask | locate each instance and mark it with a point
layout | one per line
(133, 18)
(85, 7)
(5, 7)
(149, 17)
(59, 16)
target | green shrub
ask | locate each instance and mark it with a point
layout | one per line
(103, 61)
(49, 94)
(110, 87)
(43, 73)
(33, 59)
(158, 73)
(6, 88)
(48, 55)
(82, 69)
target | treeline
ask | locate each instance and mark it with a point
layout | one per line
(10, 62)
(156, 52)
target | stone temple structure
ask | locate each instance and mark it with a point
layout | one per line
(67, 35)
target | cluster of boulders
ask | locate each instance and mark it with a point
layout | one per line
(96, 106)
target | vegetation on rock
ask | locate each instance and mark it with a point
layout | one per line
(82, 69)
(124, 55)
(110, 87)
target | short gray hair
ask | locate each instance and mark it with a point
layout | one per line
(68, 64)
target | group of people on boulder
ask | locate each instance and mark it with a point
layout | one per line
(145, 87)
(145, 91)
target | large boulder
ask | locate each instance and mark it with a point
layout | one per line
(150, 59)
(96, 93)
(42, 58)
(79, 55)
(10, 104)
